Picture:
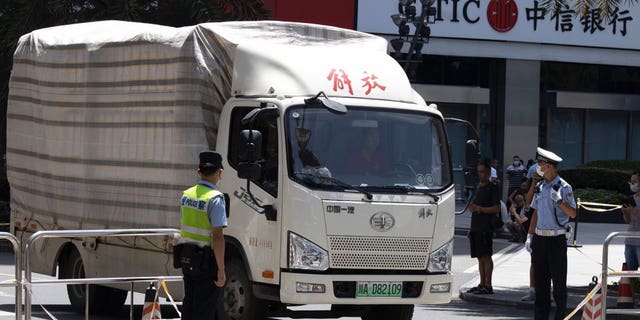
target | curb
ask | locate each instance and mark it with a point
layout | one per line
(516, 303)
(487, 299)
(574, 297)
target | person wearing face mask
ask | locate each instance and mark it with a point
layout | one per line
(553, 205)
(515, 172)
(631, 215)
(199, 251)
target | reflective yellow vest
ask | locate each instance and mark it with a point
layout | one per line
(195, 226)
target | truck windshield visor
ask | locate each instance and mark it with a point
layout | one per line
(375, 149)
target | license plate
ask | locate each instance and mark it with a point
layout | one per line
(379, 289)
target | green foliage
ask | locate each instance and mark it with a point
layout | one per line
(19, 17)
(621, 165)
(597, 178)
(598, 195)
(606, 8)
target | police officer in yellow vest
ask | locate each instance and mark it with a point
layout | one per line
(200, 249)
(553, 205)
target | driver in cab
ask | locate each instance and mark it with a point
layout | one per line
(367, 159)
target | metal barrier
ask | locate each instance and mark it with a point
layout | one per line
(17, 283)
(86, 281)
(606, 273)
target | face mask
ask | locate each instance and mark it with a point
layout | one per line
(634, 187)
(516, 163)
(539, 171)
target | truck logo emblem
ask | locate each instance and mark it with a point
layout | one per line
(423, 214)
(382, 221)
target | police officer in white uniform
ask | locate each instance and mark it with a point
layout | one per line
(553, 205)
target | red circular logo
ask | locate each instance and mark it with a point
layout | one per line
(502, 14)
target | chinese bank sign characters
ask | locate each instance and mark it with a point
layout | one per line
(517, 21)
(565, 19)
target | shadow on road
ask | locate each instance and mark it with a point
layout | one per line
(67, 313)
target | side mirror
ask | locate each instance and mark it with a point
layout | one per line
(472, 156)
(250, 146)
(472, 153)
(249, 170)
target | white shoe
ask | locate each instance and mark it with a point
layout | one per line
(531, 296)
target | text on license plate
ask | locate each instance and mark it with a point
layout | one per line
(379, 289)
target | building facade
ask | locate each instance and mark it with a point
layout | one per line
(523, 76)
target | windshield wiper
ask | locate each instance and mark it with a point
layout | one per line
(407, 188)
(339, 183)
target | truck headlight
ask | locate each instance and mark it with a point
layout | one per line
(440, 259)
(306, 255)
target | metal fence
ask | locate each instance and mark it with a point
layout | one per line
(606, 273)
(86, 281)
(17, 282)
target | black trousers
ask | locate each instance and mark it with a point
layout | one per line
(202, 300)
(550, 264)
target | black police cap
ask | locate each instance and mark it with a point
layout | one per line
(210, 159)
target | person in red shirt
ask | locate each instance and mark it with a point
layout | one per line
(369, 159)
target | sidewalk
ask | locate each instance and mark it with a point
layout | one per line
(511, 275)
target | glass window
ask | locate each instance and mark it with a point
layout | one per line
(383, 150)
(565, 135)
(606, 135)
(635, 136)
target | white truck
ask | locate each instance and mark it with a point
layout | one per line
(337, 174)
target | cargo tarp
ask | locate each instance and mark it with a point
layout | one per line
(106, 119)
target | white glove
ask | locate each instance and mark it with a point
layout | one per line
(527, 244)
(556, 196)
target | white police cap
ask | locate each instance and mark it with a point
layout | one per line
(547, 156)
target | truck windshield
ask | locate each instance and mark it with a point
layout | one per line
(377, 150)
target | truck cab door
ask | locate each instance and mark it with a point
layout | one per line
(249, 198)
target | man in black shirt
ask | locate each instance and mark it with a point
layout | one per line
(484, 207)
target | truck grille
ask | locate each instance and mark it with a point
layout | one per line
(378, 253)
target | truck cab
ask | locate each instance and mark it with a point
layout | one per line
(343, 196)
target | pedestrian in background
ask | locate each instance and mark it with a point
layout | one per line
(518, 220)
(515, 172)
(200, 248)
(553, 205)
(631, 215)
(494, 171)
(531, 170)
(530, 162)
(522, 190)
(484, 206)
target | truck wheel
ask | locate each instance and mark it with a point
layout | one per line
(238, 300)
(382, 312)
(101, 298)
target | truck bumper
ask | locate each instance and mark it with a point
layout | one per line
(289, 294)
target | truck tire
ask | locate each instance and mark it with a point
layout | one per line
(101, 299)
(384, 312)
(238, 301)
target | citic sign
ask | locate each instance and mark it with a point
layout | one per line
(521, 21)
(502, 15)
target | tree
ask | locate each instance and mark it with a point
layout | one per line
(606, 8)
(18, 17)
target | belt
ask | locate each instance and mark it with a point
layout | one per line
(549, 233)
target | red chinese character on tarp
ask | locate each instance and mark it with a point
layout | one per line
(340, 80)
(370, 83)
